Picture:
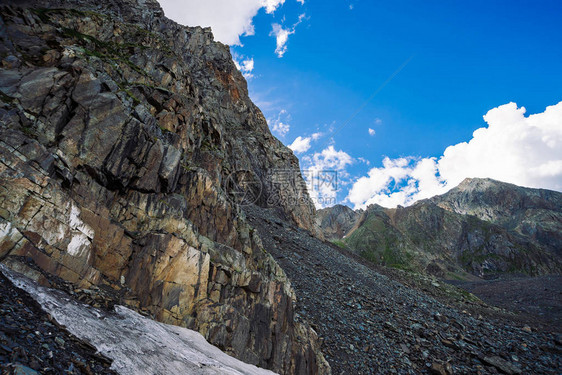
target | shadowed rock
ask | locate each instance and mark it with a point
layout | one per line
(118, 131)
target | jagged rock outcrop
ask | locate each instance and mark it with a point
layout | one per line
(126, 141)
(482, 227)
(334, 222)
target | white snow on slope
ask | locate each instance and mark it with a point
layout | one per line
(137, 345)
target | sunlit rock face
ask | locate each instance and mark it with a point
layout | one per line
(119, 133)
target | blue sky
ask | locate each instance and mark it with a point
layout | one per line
(462, 59)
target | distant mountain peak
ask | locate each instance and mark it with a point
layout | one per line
(481, 226)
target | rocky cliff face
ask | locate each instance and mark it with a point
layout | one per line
(334, 222)
(126, 142)
(533, 213)
(483, 227)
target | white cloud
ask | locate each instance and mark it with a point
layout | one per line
(513, 148)
(324, 173)
(244, 65)
(371, 132)
(282, 35)
(398, 182)
(363, 160)
(271, 5)
(378, 121)
(332, 159)
(300, 145)
(523, 150)
(279, 125)
(228, 19)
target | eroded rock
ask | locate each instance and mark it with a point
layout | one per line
(119, 129)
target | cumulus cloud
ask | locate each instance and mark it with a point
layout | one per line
(324, 173)
(244, 65)
(330, 158)
(271, 5)
(228, 19)
(371, 132)
(300, 145)
(513, 148)
(280, 124)
(282, 35)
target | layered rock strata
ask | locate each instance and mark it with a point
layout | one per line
(121, 135)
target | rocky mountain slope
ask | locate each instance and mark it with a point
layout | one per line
(533, 213)
(378, 320)
(481, 228)
(126, 143)
(336, 221)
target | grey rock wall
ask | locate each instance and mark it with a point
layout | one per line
(118, 132)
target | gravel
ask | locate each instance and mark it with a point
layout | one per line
(372, 324)
(31, 342)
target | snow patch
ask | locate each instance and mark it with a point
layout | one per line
(82, 233)
(77, 223)
(137, 345)
(5, 230)
(79, 245)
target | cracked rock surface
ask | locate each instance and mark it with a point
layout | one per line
(121, 135)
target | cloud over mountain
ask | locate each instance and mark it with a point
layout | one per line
(228, 19)
(524, 150)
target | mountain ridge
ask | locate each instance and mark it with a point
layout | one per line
(482, 226)
(136, 171)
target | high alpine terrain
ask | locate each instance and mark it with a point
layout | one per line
(481, 228)
(143, 197)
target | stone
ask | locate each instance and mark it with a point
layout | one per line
(441, 368)
(11, 62)
(416, 327)
(119, 178)
(502, 365)
(23, 370)
(390, 326)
